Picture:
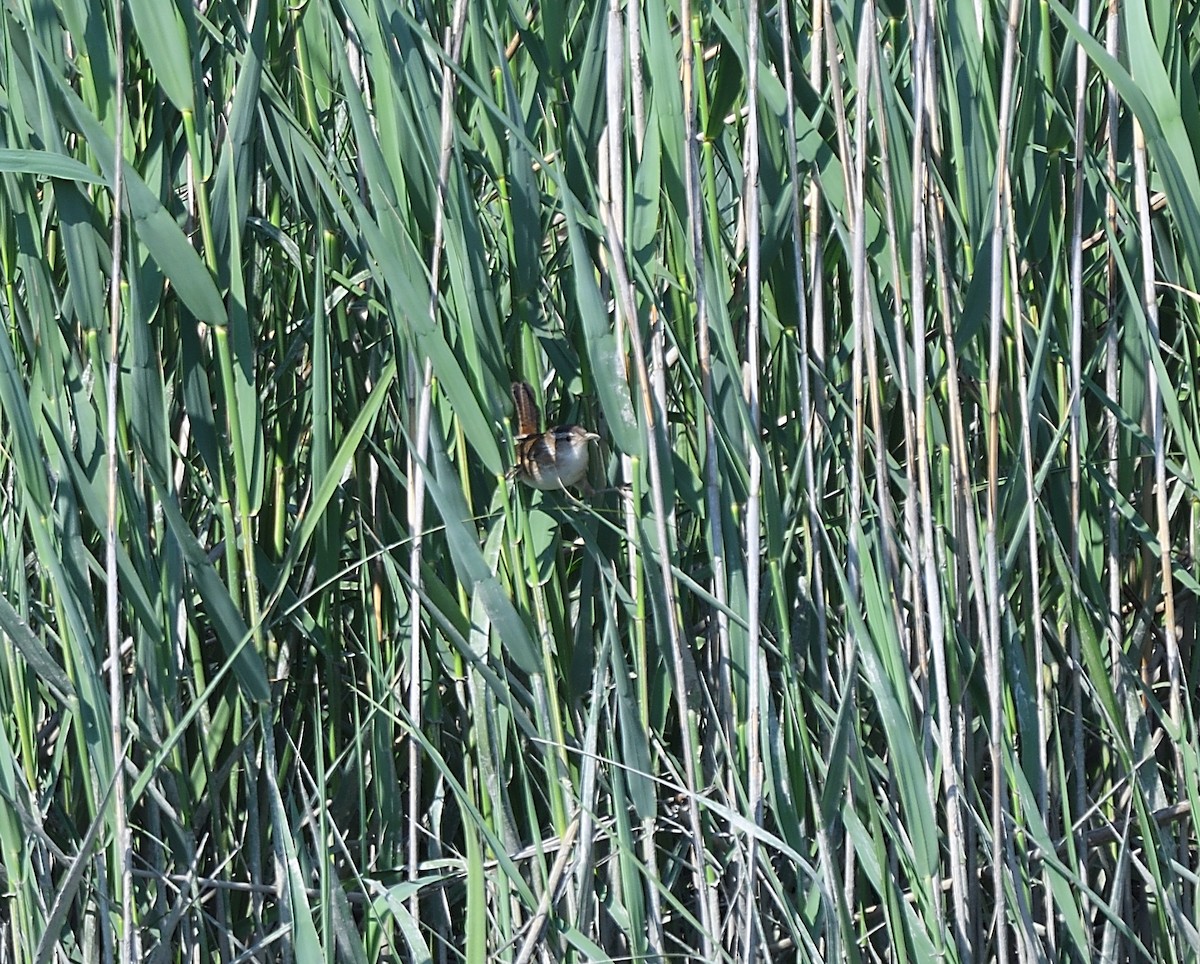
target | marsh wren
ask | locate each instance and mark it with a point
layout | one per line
(552, 459)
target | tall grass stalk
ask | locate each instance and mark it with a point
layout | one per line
(876, 639)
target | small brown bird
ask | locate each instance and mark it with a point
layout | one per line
(552, 459)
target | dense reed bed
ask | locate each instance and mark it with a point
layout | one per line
(876, 640)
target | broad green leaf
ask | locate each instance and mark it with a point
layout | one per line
(158, 230)
(47, 164)
(221, 610)
(36, 654)
(479, 581)
(243, 334)
(327, 486)
(607, 360)
(302, 940)
(166, 29)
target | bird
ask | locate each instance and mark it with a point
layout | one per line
(553, 459)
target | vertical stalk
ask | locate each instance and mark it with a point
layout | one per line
(612, 193)
(963, 509)
(1028, 948)
(705, 894)
(1111, 347)
(753, 536)
(1073, 447)
(816, 412)
(452, 47)
(683, 667)
(122, 836)
(1161, 509)
(995, 603)
(903, 572)
(240, 532)
(637, 89)
(814, 586)
(951, 759)
(834, 59)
